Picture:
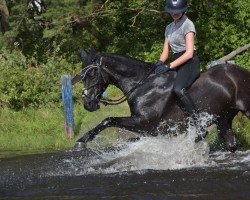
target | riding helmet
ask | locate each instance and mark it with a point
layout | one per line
(176, 6)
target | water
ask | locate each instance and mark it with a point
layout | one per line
(151, 168)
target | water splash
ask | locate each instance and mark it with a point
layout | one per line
(155, 153)
(159, 153)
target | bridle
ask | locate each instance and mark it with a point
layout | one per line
(83, 75)
(104, 100)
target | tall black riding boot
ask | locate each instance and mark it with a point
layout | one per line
(191, 110)
(187, 103)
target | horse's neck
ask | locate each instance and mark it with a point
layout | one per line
(122, 80)
(125, 72)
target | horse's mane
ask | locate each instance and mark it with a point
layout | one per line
(126, 59)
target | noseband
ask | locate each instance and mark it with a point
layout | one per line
(83, 75)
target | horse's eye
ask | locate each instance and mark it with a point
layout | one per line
(93, 60)
(92, 73)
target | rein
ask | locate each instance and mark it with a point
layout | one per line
(107, 101)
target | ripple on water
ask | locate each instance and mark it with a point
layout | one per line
(170, 167)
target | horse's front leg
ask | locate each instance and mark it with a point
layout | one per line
(129, 123)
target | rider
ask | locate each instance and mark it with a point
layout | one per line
(179, 36)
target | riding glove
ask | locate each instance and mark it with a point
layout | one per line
(161, 68)
(159, 63)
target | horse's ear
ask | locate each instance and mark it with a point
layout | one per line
(84, 56)
(92, 51)
(77, 78)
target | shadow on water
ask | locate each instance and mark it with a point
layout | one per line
(151, 168)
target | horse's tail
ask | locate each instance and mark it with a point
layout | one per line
(241, 81)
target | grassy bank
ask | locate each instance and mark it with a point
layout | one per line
(40, 129)
(43, 129)
(241, 127)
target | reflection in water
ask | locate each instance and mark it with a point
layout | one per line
(151, 168)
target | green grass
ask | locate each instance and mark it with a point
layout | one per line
(43, 129)
(32, 129)
(241, 127)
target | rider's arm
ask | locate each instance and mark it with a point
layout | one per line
(165, 51)
(189, 38)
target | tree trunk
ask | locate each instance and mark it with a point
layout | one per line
(235, 52)
(4, 15)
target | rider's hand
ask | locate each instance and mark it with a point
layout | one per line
(159, 63)
(161, 68)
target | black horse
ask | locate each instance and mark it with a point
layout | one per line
(221, 91)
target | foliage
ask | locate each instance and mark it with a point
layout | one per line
(25, 83)
(40, 47)
(222, 27)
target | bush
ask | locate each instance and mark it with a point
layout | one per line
(26, 83)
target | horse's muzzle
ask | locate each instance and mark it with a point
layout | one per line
(91, 106)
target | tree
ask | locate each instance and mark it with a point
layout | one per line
(222, 26)
(127, 27)
(4, 15)
(50, 34)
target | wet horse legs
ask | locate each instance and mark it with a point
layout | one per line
(225, 130)
(129, 123)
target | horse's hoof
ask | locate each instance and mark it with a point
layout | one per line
(198, 139)
(133, 139)
(80, 146)
(232, 148)
(201, 137)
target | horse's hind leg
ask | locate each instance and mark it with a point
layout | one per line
(225, 130)
(244, 106)
(247, 113)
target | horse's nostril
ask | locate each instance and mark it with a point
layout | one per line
(88, 104)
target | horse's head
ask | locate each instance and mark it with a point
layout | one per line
(93, 80)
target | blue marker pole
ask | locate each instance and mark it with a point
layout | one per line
(67, 105)
(105, 93)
